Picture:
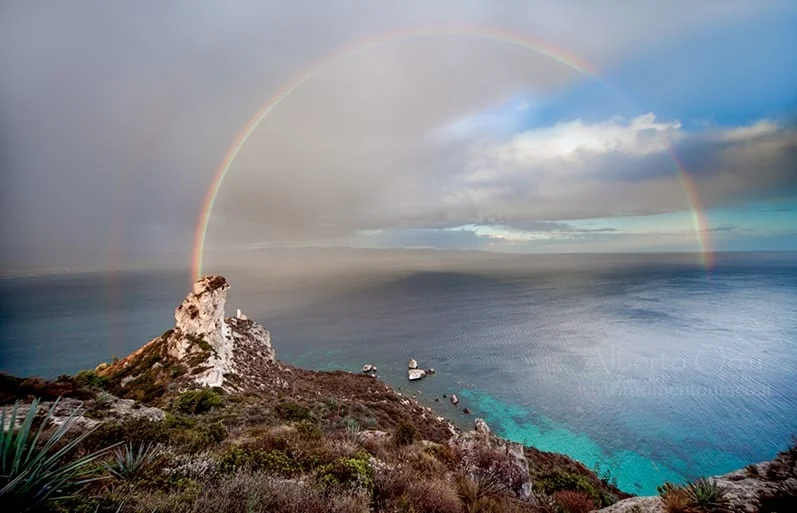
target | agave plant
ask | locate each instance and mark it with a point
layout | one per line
(129, 461)
(32, 472)
(706, 496)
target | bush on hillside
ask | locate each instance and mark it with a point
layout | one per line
(194, 402)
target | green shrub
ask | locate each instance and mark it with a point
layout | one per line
(90, 379)
(194, 402)
(293, 411)
(405, 434)
(30, 471)
(558, 481)
(353, 473)
(215, 432)
(309, 431)
(271, 462)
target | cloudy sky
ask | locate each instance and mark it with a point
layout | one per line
(422, 131)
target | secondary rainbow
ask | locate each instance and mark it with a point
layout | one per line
(500, 35)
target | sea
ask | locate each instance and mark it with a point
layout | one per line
(652, 368)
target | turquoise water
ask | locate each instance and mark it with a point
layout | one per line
(632, 470)
(657, 372)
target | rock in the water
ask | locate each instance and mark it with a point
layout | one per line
(368, 367)
(454, 399)
(430, 371)
(412, 364)
(466, 411)
(415, 374)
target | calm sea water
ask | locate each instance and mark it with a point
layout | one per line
(656, 371)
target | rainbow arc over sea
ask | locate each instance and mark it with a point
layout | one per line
(467, 31)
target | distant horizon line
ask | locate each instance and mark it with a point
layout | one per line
(170, 266)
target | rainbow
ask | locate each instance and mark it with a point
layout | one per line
(500, 35)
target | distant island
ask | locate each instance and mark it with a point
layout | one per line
(205, 418)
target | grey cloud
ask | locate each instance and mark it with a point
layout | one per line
(113, 116)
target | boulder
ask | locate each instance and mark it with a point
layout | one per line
(466, 411)
(412, 364)
(415, 374)
(369, 367)
(430, 371)
(454, 399)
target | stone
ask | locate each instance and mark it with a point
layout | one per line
(415, 374)
(480, 426)
(233, 353)
(430, 371)
(454, 399)
(368, 367)
(412, 364)
(466, 411)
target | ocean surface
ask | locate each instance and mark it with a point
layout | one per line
(656, 370)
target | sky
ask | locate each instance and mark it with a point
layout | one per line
(625, 126)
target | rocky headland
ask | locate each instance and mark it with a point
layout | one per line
(210, 420)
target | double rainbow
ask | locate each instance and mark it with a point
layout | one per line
(504, 36)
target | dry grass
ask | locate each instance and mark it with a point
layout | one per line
(574, 502)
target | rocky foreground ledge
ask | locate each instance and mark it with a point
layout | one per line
(230, 428)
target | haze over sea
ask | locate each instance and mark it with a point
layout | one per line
(648, 365)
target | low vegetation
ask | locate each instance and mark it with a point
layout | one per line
(330, 442)
(702, 496)
(38, 463)
(359, 447)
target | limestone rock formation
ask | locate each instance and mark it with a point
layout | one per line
(203, 349)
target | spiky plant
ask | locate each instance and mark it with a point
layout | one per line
(129, 461)
(33, 469)
(706, 496)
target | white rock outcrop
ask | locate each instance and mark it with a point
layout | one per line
(415, 374)
(233, 353)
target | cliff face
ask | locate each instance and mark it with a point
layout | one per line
(203, 349)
